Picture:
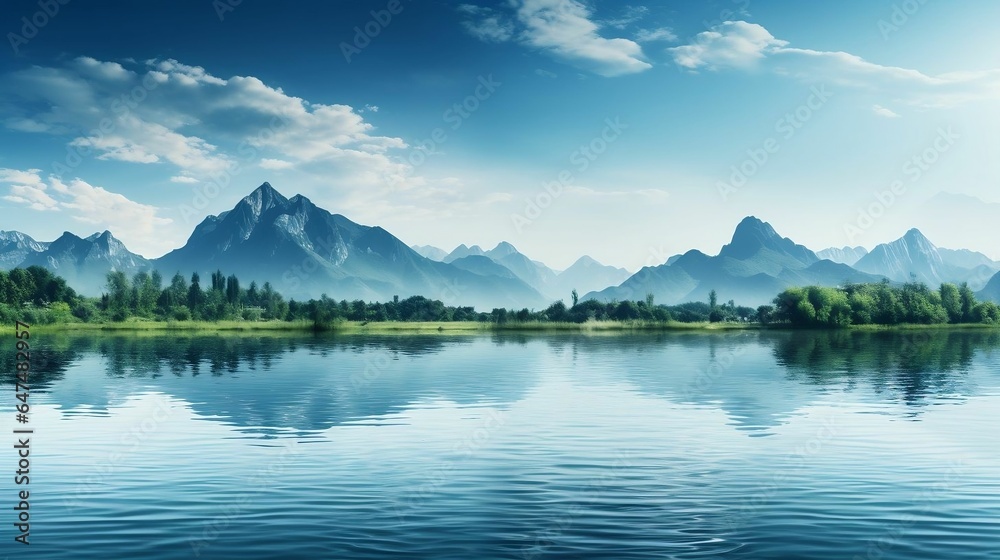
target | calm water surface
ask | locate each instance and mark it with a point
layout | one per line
(734, 445)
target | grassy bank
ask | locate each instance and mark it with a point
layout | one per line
(387, 327)
(451, 327)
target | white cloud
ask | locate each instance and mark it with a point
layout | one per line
(174, 109)
(732, 44)
(632, 14)
(187, 124)
(133, 222)
(269, 163)
(546, 73)
(659, 34)
(27, 177)
(884, 112)
(742, 45)
(105, 70)
(139, 141)
(32, 197)
(27, 188)
(564, 30)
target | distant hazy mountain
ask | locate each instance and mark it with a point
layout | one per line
(753, 268)
(15, 247)
(914, 256)
(992, 290)
(587, 275)
(584, 275)
(911, 255)
(843, 255)
(430, 252)
(305, 251)
(463, 251)
(757, 240)
(85, 263)
(964, 258)
(483, 266)
(533, 273)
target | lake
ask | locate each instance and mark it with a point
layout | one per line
(738, 445)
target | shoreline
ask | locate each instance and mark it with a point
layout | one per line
(458, 327)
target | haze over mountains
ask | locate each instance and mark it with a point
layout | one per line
(305, 251)
(843, 255)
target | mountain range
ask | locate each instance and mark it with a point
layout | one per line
(584, 275)
(305, 251)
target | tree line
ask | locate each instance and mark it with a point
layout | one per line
(882, 304)
(36, 295)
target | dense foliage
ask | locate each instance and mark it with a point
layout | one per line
(882, 304)
(35, 294)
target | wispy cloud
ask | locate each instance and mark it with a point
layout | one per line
(486, 24)
(747, 46)
(884, 112)
(27, 188)
(733, 44)
(659, 34)
(564, 29)
(269, 163)
(137, 223)
(628, 16)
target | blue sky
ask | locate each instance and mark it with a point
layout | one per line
(628, 132)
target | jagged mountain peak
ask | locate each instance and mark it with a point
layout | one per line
(844, 255)
(753, 234)
(431, 252)
(463, 251)
(912, 240)
(503, 249)
(262, 199)
(586, 260)
(916, 236)
(16, 246)
(753, 223)
(910, 255)
(305, 251)
(752, 230)
(69, 237)
(104, 236)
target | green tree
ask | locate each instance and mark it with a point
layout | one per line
(968, 299)
(119, 295)
(951, 300)
(233, 289)
(195, 296)
(765, 314)
(145, 293)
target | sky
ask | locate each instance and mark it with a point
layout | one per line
(629, 132)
